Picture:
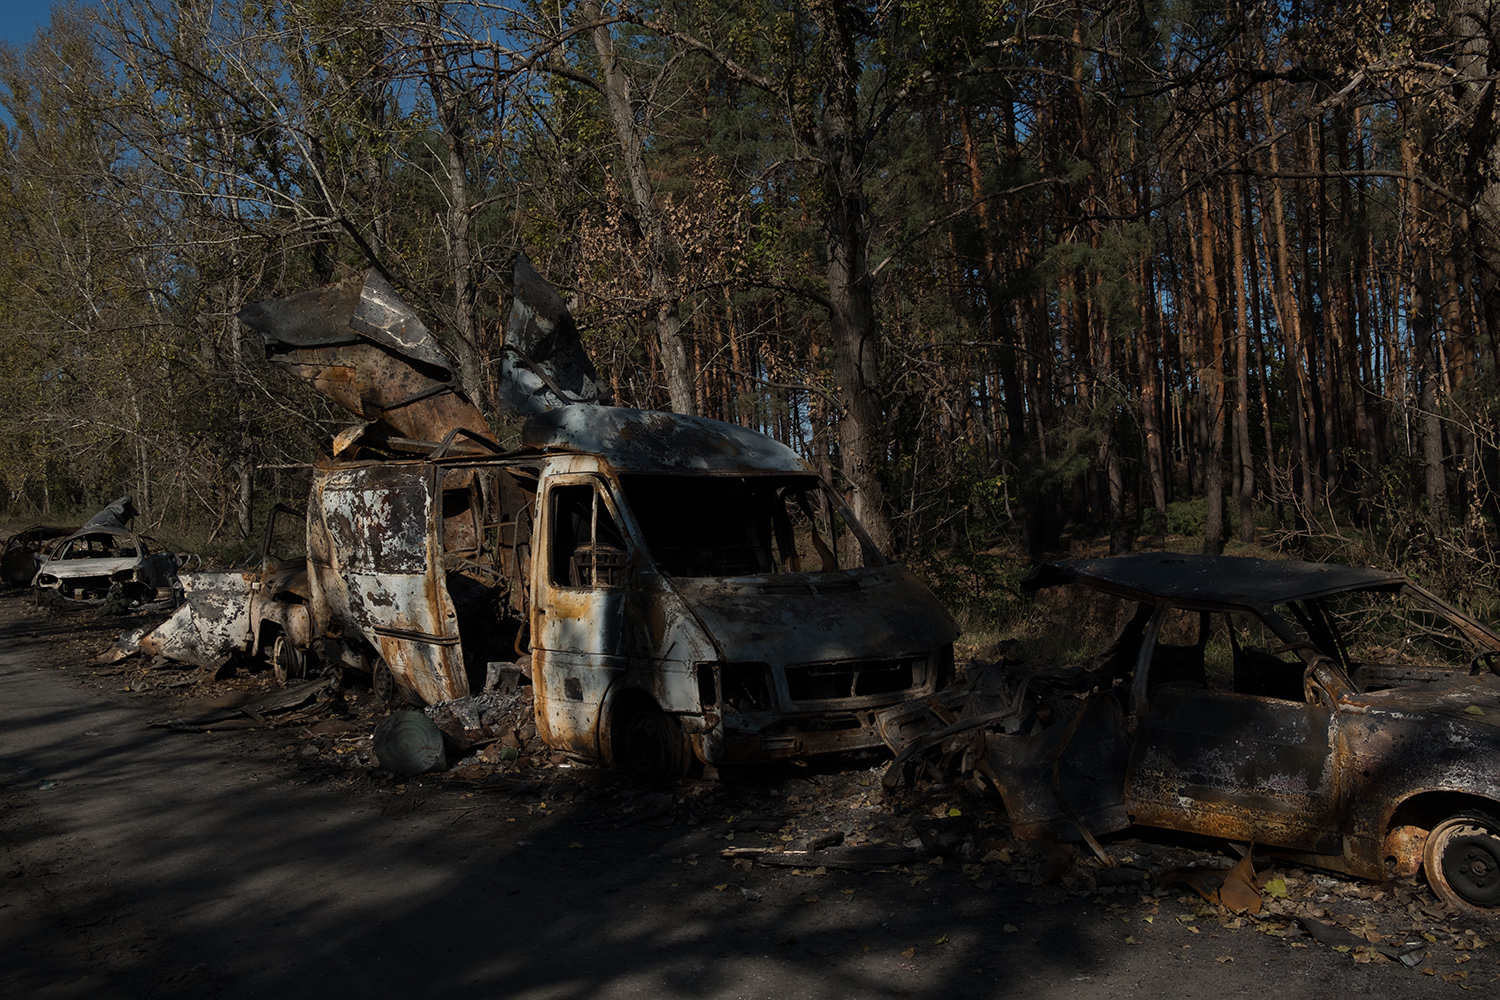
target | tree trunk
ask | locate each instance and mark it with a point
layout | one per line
(661, 247)
(1244, 462)
(856, 358)
(453, 121)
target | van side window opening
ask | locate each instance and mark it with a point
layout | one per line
(588, 549)
(720, 526)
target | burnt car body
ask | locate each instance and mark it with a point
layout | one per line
(1341, 716)
(107, 557)
(22, 552)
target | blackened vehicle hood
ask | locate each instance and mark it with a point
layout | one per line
(786, 618)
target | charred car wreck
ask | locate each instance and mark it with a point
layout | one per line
(260, 609)
(1342, 717)
(23, 552)
(671, 587)
(107, 558)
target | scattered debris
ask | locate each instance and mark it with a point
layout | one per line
(1410, 954)
(1234, 888)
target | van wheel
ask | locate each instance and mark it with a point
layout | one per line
(1462, 862)
(651, 746)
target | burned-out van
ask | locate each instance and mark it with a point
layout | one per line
(671, 586)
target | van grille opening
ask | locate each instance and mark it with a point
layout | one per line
(851, 678)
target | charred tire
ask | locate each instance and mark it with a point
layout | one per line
(1462, 862)
(649, 745)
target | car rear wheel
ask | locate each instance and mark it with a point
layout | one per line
(1462, 862)
(287, 661)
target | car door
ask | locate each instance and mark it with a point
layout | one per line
(383, 522)
(578, 635)
(1210, 759)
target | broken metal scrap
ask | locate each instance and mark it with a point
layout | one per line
(543, 364)
(363, 347)
(250, 714)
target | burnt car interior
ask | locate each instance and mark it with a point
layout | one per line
(103, 545)
(707, 526)
(588, 549)
(1379, 637)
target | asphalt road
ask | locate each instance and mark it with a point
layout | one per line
(140, 862)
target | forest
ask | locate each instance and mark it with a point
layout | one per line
(1014, 275)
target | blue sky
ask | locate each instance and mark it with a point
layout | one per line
(19, 19)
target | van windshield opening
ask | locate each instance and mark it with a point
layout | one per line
(713, 526)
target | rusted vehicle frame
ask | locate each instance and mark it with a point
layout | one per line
(1368, 767)
(766, 637)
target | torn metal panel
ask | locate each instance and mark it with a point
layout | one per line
(212, 624)
(252, 713)
(116, 516)
(360, 345)
(388, 585)
(1243, 768)
(543, 364)
(1063, 782)
(1334, 714)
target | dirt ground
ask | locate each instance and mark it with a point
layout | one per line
(278, 859)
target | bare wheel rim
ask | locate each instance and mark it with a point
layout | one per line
(287, 660)
(383, 681)
(1462, 862)
(1470, 862)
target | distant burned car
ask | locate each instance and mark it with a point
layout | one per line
(1343, 717)
(105, 558)
(23, 552)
